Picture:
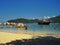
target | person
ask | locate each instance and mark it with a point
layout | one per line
(26, 27)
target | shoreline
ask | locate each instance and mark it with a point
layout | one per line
(10, 36)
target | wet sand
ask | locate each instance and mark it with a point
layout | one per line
(10, 36)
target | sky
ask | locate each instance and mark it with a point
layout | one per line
(13, 9)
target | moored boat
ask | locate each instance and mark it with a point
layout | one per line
(44, 22)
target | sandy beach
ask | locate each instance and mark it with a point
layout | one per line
(8, 36)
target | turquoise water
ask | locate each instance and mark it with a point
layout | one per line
(34, 27)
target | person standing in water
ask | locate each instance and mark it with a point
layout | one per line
(26, 27)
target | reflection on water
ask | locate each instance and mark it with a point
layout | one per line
(34, 27)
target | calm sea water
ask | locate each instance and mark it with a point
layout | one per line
(34, 27)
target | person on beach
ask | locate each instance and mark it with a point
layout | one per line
(26, 27)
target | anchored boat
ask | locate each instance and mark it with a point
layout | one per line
(44, 22)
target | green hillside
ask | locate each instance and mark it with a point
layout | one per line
(55, 19)
(22, 20)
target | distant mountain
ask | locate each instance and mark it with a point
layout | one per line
(55, 19)
(22, 20)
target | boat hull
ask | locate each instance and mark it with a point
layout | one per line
(44, 23)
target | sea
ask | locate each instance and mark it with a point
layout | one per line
(52, 28)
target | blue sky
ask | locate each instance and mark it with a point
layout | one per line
(12, 9)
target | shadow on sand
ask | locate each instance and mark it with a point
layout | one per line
(36, 41)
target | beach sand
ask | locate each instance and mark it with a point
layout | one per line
(8, 36)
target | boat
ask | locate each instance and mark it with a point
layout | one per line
(43, 22)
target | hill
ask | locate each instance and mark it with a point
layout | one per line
(55, 19)
(22, 20)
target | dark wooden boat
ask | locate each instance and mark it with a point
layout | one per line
(44, 22)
